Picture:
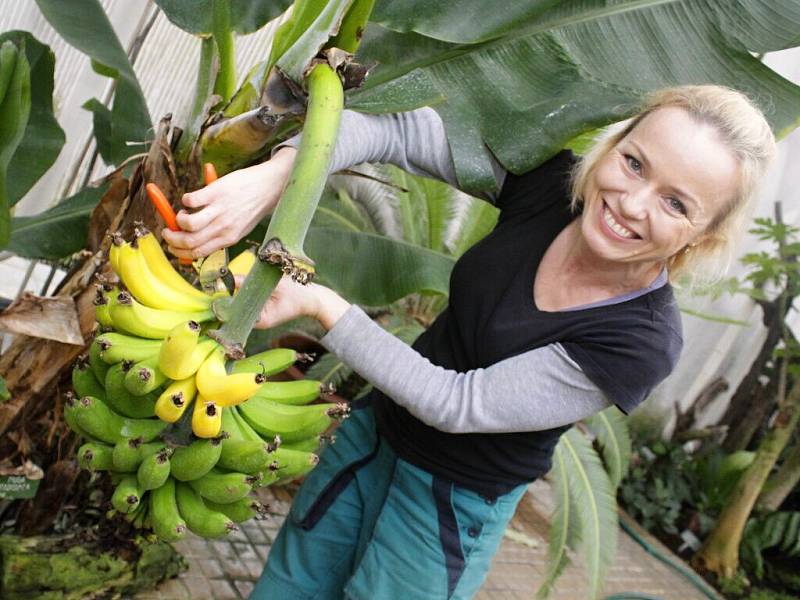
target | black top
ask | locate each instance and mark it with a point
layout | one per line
(624, 348)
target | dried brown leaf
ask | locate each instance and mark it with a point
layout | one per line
(53, 318)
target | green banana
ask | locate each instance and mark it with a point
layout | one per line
(127, 495)
(167, 521)
(84, 382)
(128, 454)
(224, 487)
(293, 463)
(245, 455)
(248, 433)
(96, 363)
(101, 313)
(116, 347)
(154, 470)
(135, 318)
(176, 350)
(268, 362)
(311, 444)
(95, 457)
(144, 377)
(121, 400)
(174, 400)
(196, 459)
(291, 423)
(239, 511)
(70, 410)
(230, 425)
(199, 518)
(297, 392)
(99, 421)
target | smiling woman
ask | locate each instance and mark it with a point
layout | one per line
(682, 175)
(564, 309)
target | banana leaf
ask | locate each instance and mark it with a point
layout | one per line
(43, 138)
(196, 16)
(373, 270)
(57, 232)
(15, 106)
(83, 24)
(614, 439)
(525, 81)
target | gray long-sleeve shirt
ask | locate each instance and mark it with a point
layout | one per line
(490, 400)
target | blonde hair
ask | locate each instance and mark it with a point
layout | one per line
(742, 127)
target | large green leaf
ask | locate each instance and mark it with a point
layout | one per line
(83, 24)
(524, 88)
(590, 490)
(247, 16)
(15, 106)
(613, 435)
(374, 270)
(57, 232)
(43, 138)
(297, 42)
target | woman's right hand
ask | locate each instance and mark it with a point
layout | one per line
(229, 209)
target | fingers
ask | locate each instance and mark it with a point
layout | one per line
(198, 220)
(199, 198)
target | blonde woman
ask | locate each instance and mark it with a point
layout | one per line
(564, 309)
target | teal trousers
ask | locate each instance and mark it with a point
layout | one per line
(367, 525)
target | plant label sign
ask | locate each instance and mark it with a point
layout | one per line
(14, 487)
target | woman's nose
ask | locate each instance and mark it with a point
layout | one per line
(633, 204)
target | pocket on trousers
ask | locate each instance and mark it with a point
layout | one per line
(356, 444)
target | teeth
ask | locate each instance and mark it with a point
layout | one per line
(616, 226)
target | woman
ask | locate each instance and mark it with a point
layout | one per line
(562, 310)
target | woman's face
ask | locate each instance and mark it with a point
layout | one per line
(658, 189)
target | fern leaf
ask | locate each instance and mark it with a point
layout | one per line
(614, 439)
(780, 529)
(590, 487)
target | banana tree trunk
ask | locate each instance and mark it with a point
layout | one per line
(720, 551)
(782, 482)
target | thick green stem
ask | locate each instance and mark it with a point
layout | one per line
(202, 91)
(782, 482)
(352, 27)
(287, 230)
(290, 222)
(225, 85)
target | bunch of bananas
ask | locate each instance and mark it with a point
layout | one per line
(175, 468)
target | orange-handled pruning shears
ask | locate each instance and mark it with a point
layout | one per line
(164, 208)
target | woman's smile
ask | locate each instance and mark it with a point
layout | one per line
(614, 227)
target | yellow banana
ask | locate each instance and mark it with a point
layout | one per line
(243, 262)
(113, 251)
(159, 265)
(206, 418)
(149, 289)
(172, 402)
(177, 348)
(137, 319)
(215, 384)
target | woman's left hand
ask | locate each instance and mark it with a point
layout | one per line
(290, 300)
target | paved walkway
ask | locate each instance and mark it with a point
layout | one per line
(226, 570)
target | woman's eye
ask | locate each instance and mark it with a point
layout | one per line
(634, 164)
(676, 205)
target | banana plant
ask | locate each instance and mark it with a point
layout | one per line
(519, 82)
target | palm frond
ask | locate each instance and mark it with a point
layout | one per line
(565, 531)
(614, 438)
(472, 221)
(591, 491)
(329, 369)
(377, 201)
